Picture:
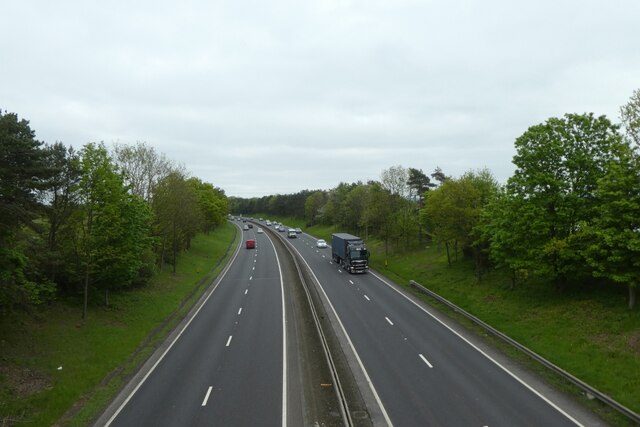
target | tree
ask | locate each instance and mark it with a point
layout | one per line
(614, 236)
(395, 180)
(630, 116)
(439, 176)
(418, 183)
(108, 236)
(211, 201)
(100, 192)
(22, 173)
(143, 167)
(312, 205)
(59, 198)
(378, 212)
(558, 165)
(178, 216)
(503, 224)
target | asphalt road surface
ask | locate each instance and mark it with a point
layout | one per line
(227, 367)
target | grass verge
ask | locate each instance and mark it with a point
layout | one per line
(56, 369)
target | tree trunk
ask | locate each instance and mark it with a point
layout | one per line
(478, 263)
(632, 297)
(175, 248)
(86, 293)
(446, 244)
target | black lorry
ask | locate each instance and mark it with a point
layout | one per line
(349, 252)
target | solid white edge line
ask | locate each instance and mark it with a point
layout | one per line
(389, 320)
(364, 371)
(206, 397)
(284, 342)
(229, 340)
(221, 277)
(534, 391)
(424, 359)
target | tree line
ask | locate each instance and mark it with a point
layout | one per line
(77, 221)
(569, 214)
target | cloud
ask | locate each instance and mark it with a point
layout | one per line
(280, 96)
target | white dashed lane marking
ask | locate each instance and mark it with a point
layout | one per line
(424, 359)
(206, 397)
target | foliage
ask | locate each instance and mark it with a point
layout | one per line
(22, 170)
(558, 165)
(453, 210)
(630, 116)
(72, 222)
(178, 216)
(143, 167)
(614, 236)
(211, 202)
(312, 205)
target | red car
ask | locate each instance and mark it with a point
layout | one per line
(251, 244)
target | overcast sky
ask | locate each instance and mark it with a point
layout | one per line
(265, 97)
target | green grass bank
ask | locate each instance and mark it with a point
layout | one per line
(56, 369)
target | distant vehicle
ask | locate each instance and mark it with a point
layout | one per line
(245, 227)
(349, 252)
(259, 231)
(251, 244)
(282, 228)
(260, 219)
(298, 230)
(250, 225)
(292, 233)
(321, 243)
(276, 227)
(268, 223)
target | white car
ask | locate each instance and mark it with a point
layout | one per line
(321, 243)
(259, 231)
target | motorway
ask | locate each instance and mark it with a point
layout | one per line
(423, 373)
(247, 357)
(227, 367)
